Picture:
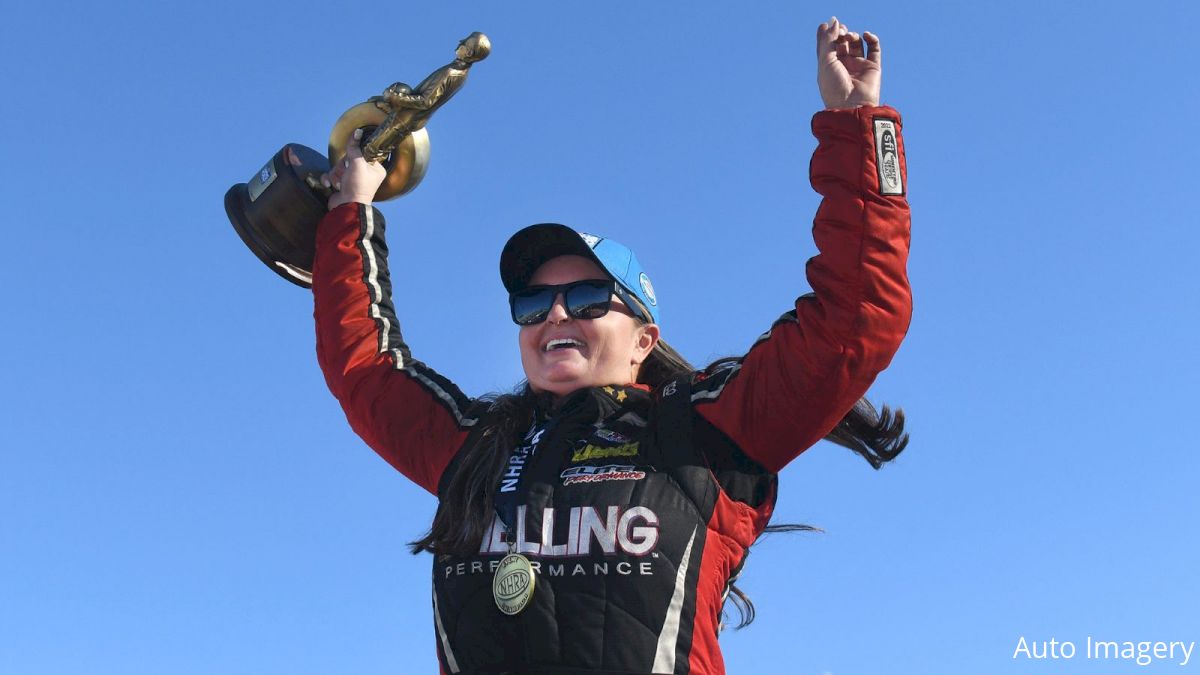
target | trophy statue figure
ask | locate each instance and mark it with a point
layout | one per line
(276, 212)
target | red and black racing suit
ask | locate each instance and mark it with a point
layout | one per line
(635, 527)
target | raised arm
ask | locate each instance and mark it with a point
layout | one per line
(802, 376)
(413, 417)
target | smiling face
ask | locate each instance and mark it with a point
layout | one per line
(563, 354)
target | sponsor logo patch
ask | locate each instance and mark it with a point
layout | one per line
(590, 531)
(598, 474)
(590, 239)
(648, 289)
(887, 158)
(611, 436)
(590, 452)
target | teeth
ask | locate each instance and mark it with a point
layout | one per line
(563, 342)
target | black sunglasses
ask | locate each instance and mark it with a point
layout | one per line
(585, 299)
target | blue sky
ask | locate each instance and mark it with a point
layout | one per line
(180, 494)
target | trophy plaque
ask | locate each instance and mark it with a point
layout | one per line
(277, 211)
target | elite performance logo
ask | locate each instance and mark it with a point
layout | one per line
(887, 158)
(597, 474)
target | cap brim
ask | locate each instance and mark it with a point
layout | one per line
(530, 247)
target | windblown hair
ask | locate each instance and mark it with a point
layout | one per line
(466, 509)
(737, 597)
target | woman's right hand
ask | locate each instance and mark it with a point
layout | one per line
(354, 179)
(847, 78)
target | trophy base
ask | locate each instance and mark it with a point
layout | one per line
(276, 213)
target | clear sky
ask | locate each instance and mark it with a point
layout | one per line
(179, 493)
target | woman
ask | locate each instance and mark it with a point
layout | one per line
(595, 521)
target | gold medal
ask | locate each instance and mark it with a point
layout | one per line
(512, 587)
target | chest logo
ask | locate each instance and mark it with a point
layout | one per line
(591, 530)
(591, 451)
(611, 436)
(597, 474)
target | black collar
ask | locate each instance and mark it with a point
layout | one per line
(593, 403)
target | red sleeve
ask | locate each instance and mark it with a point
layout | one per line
(409, 414)
(805, 374)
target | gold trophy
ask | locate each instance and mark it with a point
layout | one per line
(276, 212)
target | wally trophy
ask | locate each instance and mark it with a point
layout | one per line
(277, 211)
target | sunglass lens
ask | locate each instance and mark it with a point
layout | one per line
(531, 306)
(589, 300)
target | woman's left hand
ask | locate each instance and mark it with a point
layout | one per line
(847, 78)
(354, 178)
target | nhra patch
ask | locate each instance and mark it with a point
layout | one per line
(887, 158)
(596, 474)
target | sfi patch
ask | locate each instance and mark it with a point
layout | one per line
(887, 157)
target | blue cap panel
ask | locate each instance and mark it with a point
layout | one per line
(623, 265)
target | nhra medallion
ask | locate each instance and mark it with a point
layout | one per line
(512, 587)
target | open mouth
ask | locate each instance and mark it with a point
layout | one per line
(562, 343)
